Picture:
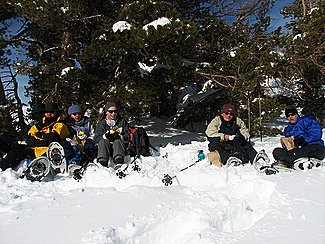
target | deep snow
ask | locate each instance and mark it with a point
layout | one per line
(204, 204)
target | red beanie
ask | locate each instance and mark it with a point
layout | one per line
(228, 108)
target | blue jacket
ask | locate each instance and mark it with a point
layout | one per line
(306, 127)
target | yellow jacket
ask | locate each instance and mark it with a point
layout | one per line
(39, 138)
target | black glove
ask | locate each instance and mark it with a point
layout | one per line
(299, 142)
(239, 138)
(111, 136)
(52, 137)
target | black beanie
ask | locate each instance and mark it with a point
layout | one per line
(290, 110)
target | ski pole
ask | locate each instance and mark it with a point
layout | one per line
(151, 146)
(168, 180)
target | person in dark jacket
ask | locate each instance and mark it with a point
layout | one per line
(111, 134)
(228, 137)
(11, 152)
(306, 134)
(18, 152)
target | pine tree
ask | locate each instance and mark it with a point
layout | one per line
(304, 52)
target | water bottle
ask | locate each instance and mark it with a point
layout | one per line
(200, 155)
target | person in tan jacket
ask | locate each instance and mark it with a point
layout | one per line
(228, 139)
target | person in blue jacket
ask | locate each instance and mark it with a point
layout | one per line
(81, 131)
(306, 133)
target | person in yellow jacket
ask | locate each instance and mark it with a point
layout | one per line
(50, 129)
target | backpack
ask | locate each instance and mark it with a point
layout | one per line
(138, 142)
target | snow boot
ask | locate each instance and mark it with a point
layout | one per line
(214, 158)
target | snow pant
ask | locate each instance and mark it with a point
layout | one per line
(90, 149)
(244, 151)
(308, 151)
(15, 156)
(107, 150)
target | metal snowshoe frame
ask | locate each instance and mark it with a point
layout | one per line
(56, 155)
(38, 169)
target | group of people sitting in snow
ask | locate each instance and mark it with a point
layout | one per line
(228, 141)
(227, 134)
(74, 133)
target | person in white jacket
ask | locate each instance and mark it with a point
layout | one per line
(228, 139)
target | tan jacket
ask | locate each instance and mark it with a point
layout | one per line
(214, 127)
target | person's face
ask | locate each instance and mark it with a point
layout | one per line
(49, 114)
(227, 116)
(111, 113)
(76, 116)
(292, 118)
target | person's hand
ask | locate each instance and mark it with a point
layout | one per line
(112, 134)
(226, 137)
(109, 136)
(300, 142)
(232, 137)
(81, 135)
(239, 138)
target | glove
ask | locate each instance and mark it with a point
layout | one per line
(299, 142)
(239, 138)
(52, 137)
(111, 135)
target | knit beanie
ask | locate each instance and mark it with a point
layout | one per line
(52, 107)
(74, 109)
(290, 109)
(228, 108)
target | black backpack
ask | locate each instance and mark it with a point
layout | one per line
(138, 142)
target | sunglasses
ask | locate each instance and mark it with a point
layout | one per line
(112, 111)
(291, 114)
(228, 113)
(75, 114)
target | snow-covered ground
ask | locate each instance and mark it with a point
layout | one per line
(204, 204)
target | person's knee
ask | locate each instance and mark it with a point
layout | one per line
(278, 153)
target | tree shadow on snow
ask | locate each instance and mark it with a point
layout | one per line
(161, 133)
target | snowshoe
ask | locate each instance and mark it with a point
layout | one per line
(56, 155)
(120, 170)
(37, 169)
(233, 161)
(262, 163)
(303, 164)
(73, 169)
